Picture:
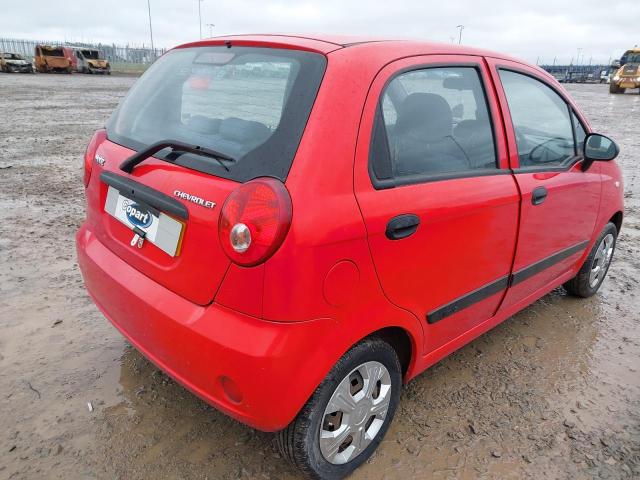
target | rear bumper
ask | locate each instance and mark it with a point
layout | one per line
(258, 372)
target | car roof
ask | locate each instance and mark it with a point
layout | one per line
(325, 43)
(381, 50)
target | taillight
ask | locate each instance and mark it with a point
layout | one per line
(254, 221)
(98, 137)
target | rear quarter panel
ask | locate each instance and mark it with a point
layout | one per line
(327, 228)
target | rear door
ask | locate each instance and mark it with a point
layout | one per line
(439, 203)
(560, 201)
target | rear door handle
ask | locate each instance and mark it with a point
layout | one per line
(538, 195)
(402, 226)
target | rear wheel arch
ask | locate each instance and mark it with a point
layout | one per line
(616, 219)
(399, 338)
(401, 341)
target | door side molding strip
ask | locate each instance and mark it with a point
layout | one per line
(527, 272)
(502, 283)
(469, 299)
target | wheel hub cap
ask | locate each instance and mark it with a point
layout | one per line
(601, 261)
(355, 413)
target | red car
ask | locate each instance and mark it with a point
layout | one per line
(292, 227)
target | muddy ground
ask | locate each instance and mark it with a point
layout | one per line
(553, 392)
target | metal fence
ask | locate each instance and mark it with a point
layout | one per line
(579, 73)
(114, 53)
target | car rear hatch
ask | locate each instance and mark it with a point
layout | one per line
(224, 115)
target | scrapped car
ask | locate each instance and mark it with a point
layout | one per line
(88, 60)
(50, 59)
(627, 76)
(291, 227)
(14, 63)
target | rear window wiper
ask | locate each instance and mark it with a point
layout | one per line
(176, 147)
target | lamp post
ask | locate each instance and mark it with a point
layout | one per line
(210, 25)
(200, 16)
(153, 51)
(460, 28)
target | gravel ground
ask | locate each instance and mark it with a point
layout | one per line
(554, 392)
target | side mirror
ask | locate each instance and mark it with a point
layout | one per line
(598, 148)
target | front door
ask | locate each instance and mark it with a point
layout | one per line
(439, 202)
(560, 201)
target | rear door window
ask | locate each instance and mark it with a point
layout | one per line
(251, 104)
(436, 124)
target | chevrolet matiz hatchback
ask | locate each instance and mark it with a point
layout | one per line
(293, 227)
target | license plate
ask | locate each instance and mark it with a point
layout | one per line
(160, 229)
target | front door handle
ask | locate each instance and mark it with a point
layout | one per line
(402, 226)
(538, 195)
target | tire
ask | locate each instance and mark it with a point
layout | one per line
(300, 441)
(587, 282)
(613, 88)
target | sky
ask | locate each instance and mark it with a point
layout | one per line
(536, 31)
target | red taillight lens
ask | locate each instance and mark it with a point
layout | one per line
(254, 221)
(98, 137)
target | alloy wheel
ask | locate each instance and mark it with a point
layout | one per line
(601, 261)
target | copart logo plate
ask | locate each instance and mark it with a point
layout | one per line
(137, 215)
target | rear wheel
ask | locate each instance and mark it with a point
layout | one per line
(345, 419)
(595, 267)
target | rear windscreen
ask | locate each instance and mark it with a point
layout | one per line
(251, 104)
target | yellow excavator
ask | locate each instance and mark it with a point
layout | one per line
(627, 74)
